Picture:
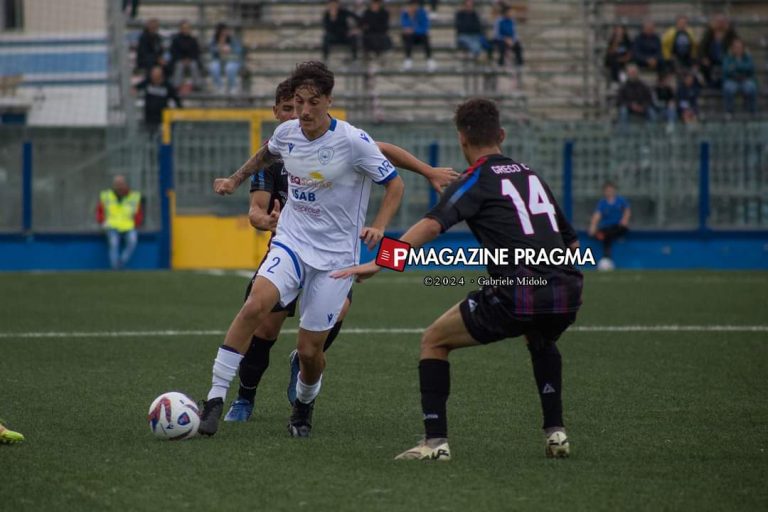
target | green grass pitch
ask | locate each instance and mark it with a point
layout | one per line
(658, 420)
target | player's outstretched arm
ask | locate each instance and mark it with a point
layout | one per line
(389, 204)
(438, 177)
(261, 159)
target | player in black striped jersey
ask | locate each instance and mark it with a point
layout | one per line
(506, 205)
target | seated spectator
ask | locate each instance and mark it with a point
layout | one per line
(687, 98)
(339, 30)
(635, 98)
(415, 25)
(505, 37)
(158, 93)
(226, 53)
(646, 48)
(609, 222)
(375, 27)
(149, 52)
(470, 35)
(714, 44)
(618, 53)
(678, 46)
(739, 76)
(185, 58)
(665, 97)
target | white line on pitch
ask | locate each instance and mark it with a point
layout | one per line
(384, 330)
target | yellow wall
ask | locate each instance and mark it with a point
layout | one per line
(203, 241)
(206, 241)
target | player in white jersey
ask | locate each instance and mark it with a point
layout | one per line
(331, 166)
(269, 193)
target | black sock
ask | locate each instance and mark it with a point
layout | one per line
(332, 335)
(435, 381)
(253, 365)
(548, 371)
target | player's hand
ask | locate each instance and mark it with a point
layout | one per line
(224, 186)
(274, 216)
(360, 272)
(441, 177)
(371, 237)
(592, 232)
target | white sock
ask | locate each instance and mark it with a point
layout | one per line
(224, 370)
(307, 392)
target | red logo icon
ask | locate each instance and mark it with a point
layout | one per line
(393, 254)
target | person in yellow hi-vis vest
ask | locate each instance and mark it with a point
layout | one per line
(120, 212)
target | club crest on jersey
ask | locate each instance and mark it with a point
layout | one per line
(325, 155)
(290, 148)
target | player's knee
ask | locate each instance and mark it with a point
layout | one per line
(253, 309)
(309, 353)
(431, 339)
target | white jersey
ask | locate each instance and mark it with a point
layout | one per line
(329, 183)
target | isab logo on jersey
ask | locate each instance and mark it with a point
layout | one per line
(325, 155)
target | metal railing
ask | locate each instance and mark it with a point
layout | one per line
(662, 173)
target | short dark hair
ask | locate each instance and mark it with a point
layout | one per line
(283, 91)
(478, 120)
(313, 74)
(609, 183)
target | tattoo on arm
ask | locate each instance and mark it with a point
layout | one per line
(261, 159)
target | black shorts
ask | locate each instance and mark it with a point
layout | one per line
(290, 307)
(487, 316)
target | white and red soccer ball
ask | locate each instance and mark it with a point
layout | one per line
(173, 416)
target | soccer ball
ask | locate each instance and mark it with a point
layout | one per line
(605, 265)
(173, 416)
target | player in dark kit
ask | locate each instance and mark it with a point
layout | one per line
(268, 194)
(506, 205)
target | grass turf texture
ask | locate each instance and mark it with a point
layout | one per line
(658, 420)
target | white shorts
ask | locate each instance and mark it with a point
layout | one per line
(322, 297)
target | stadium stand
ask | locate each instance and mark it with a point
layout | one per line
(563, 76)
